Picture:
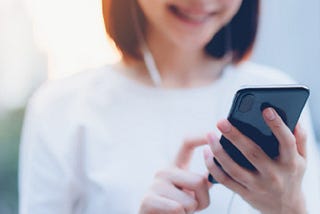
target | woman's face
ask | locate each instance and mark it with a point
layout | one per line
(187, 23)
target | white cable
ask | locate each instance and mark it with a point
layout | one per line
(151, 67)
(231, 202)
(147, 55)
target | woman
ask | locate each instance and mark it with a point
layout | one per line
(126, 138)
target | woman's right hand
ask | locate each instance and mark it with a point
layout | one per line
(176, 189)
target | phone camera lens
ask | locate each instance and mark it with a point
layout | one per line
(246, 103)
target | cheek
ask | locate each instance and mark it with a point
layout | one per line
(144, 5)
(150, 6)
(231, 3)
(236, 4)
(151, 9)
(231, 7)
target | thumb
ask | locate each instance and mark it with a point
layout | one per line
(186, 151)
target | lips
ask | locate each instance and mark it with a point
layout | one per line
(191, 15)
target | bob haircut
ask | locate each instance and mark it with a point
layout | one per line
(237, 37)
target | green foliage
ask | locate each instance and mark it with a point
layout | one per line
(10, 129)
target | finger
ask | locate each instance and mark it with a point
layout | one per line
(157, 204)
(256, 156)
(301, 138)
(185, 152)
(170, 191)
(228, 165)
(189, 181)
(287, 141)
(221, 176)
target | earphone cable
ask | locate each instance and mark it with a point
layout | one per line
(231, 202)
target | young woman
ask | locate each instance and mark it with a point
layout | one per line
(128, 138)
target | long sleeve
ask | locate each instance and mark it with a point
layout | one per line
(47, 183)
(311, 181)
(92, 143)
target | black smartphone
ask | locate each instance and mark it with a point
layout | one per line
(246, 116)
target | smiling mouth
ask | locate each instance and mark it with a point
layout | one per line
(190, 16)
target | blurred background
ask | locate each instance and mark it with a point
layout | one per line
(45, 39)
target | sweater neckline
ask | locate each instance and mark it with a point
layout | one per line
(138, 86)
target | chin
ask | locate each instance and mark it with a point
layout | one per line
(194, 41)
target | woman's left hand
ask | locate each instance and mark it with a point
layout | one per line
(276, 185)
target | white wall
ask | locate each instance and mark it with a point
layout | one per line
(22, 66)
(289, 38)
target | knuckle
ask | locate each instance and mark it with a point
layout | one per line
(253, 151)
(205, 204)
(235, 174)
(292, 140)
(277, 123)
(234, 135)
(200, 182)
(163, 173)
(146, 204)
(192, 206)
(276, 181)
(176, 209)
(260, 188)
(159, 187)
(188, 144)
(223, 179)
(293, 166)
(157, 183)
(268, 171)
(247, 196)
(290, 145)
(274, 178)
(218, 151)
(146, 200)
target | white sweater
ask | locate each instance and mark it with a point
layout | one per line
(92, 143)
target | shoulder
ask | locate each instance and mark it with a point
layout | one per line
(58, 110)
(65, 94)
(255, 73)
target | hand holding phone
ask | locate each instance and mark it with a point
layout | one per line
(270, 180)
(246, 115)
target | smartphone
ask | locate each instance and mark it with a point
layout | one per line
(246, 115)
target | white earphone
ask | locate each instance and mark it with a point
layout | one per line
(147, 55)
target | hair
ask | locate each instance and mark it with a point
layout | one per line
(237, 37)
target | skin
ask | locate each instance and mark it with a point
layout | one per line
(276, 186)
(177, 45)
(177, 190)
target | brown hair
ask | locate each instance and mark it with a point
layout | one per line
(238, 36)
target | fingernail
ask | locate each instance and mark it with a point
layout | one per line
(269, 114)
(224, 126)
